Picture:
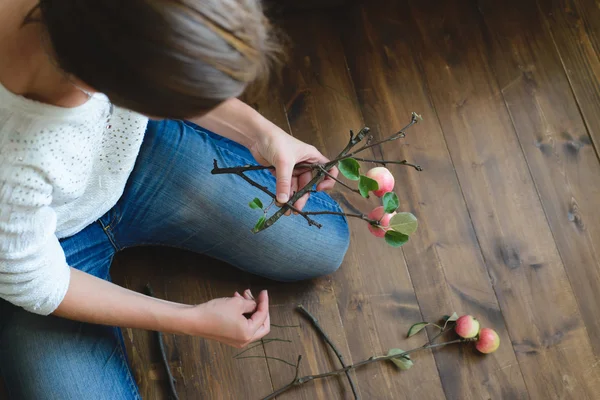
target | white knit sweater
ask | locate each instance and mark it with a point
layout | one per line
(60, 170)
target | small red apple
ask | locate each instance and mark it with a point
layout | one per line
(384, 221)
(384, 179)
(467, 326)
(488, 341)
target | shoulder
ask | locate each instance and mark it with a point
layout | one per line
(130, 119)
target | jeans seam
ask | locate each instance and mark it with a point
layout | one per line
(107, 227)
(132, 384)
(109, 236)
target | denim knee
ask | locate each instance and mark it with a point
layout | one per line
(327, 253)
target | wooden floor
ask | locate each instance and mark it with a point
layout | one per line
(508, 204)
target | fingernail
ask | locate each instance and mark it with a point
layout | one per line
(249, 294)
(283, 198)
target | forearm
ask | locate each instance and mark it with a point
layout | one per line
(237, 121)
(93, 300)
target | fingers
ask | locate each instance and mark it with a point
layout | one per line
(248, 295)
(293, 190)
(303, 180)
(283, 175)
(260, 333)
(264, 329)
(248, 306)
(328, 183)
(257, 320)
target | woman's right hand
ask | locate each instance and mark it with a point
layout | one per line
(235, 321)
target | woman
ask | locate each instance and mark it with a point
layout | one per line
(85, 173)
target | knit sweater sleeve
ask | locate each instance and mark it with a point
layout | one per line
(33, 270)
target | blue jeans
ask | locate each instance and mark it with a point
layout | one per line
(170, 199)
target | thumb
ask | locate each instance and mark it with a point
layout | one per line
(283, 174)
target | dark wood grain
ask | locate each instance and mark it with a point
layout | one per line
(203, 368)
(575, 27)
(555, 141)
(444, 258)
(504, 206)
(507, 203)
(374, 293)
(317, 295)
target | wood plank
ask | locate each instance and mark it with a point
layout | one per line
(316, 355)
(321, 106)
(316, 295)
(554, 139)
(203, 368)
(543, 319)
(575, 27)
(444, 258)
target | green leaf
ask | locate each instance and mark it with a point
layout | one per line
(256, 204)
(259, 224)
(402, 362)
(366, 185)
(404, 222)
(350, 168)
(416, 328)
(449, 318)
(452, 318)
(390, 202)
(395, 239)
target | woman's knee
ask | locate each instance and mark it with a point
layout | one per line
(325, 252)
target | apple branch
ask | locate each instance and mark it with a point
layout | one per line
(308, 378)
(321, 171)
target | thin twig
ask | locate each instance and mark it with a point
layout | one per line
(298, 366)
(267, 358)
(246, 168)
(360, 216)
(284, 326)
(344, 184)
(325, 337)
(446, 328)
(163, 354)
(398, 135)
(385, 162)
(258, 344)
(308, 378)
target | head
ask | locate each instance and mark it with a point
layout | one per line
(167, 58)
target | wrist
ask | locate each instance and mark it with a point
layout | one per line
(193, 321)
(175, 318)
(261, 130)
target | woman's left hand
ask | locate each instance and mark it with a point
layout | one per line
(275, 147)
